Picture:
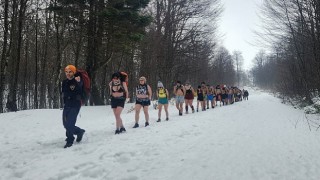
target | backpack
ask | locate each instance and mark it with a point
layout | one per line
(124, 77)
(162, 93)
(86, 88)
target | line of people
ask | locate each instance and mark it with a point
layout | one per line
(206, 95)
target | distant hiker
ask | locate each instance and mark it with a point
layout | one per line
(230, 99)
(205, 91)
(179, 92)
(119, 94)
(163, 96)
(224, 95)
(200, 99)
(189, 96)
(218, 95)
(245, 95)
(71, 93)
(210, 97)
(144, 94)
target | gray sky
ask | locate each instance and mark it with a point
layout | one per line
(238, 21)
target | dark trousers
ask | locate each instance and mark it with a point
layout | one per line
(69, 119)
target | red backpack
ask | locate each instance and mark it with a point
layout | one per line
(86, 88)
(124, 77)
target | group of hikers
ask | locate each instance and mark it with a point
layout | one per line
(207, 96)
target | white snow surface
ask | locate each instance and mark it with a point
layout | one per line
(249, 140)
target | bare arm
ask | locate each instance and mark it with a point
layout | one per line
(125, 89)
(110, 86)
(149, 92)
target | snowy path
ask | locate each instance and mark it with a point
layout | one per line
(254, 139)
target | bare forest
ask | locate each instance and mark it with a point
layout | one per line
(165, 40)
(292, 64)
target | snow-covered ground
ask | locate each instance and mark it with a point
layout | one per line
(256, 139)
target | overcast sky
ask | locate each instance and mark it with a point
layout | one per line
(238, 21)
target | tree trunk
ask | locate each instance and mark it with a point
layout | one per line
(3, 60)
(16, 55)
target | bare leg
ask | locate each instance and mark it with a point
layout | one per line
(137, 108)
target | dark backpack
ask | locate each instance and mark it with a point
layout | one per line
(86, 88)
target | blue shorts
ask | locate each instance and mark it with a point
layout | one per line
(179, 99)
(143, 102)
(210, 97)
(163, 101)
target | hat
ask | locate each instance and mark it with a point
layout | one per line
(71, 68)
(160, 84)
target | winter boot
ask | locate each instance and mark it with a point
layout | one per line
(117, 131)
(80, 135)
(136, 125)
(192, 109)
(67, 145)
(122, 129)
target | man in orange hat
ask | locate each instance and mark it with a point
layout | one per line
(71, 93)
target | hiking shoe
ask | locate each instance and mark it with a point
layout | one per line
(167, 119)
(117, 131)
(146, 124)
(136, 125)
(67, 145)
(159, 120)
(80, 135)
(122, 129)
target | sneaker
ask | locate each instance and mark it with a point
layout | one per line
(80, 135)
(167, 119)
(180, 113)
(159, 120)
(136, 125)
(67, 145)
(192, 110)
(146, 124)
(117, 131)
(187, 112)
(197, 110)
(122, 129)
(208, 107)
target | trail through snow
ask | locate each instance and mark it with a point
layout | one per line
(255, 139)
